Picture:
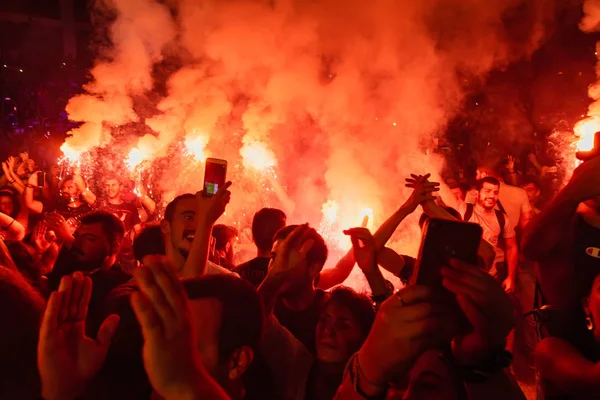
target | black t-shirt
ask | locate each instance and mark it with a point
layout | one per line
(67, 212)
(254, 271)
(302, 324)
(103, 282)
(128, 214)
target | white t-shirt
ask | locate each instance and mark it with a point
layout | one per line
(491, 228)
(513, 199)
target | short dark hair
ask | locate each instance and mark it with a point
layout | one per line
(359, 305)
(317, 254)
(149, 241)
(424, 217)
(487, 179)
(111, 226)
(223, 234)
(170, 210)
(265, 224)
(532, 181)
(14, 197)
(242, 318)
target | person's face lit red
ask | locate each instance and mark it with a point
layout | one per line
(91, 246)
(182, 229)
(458, 193)
(6, 205)
(112, 188)
(532, 192)
(69, 189)
(338, 334)
(488, 195)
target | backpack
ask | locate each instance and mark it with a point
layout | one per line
(499, 214)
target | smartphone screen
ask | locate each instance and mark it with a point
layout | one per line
(215, 174)
(41, 179)
(443, 240)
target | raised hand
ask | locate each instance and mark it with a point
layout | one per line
(423, 190)
(170, 353)
(407, 324)
(510, 163)
(67, 358)
(60, 227)
(291, 252)
(40, 237)
(486, 306)
(211, 208)
(364, 248)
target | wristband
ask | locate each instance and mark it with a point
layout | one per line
(8, 226)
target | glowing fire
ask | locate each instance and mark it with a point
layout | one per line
(70, 153)
(585, 130)
(196, 147)
(330, 211)
(366, 216)
(256, 155)
(336, 219)
(136, 156)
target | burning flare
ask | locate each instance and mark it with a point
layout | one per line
(256, 155)
(70, 153)
(586, 130)
(136, 156)
(196, 147)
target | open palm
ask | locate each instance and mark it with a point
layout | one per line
(67, 358)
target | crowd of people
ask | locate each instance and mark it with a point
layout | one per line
(105, 297)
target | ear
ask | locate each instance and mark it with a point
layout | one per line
(585, 301)
(239, 362)
(165, 227)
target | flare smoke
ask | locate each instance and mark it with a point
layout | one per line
(346, 94)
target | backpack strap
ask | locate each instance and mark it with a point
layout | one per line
(468, 212)
(501, 221)
(501, 207)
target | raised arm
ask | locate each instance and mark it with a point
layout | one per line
(566, 370)
(35, 206)
(334, 276)
(209, 210)
(13, 228)
(546, 231)
(86, 194)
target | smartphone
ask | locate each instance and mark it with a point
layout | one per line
(41, 178)
(215, 174)
(442, 240)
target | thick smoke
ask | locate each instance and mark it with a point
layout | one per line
(346, 94)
